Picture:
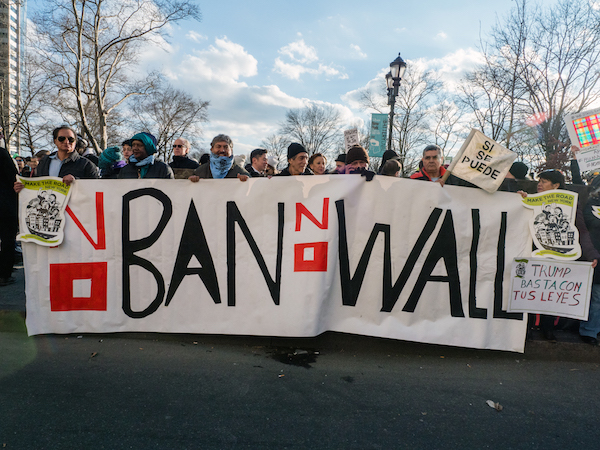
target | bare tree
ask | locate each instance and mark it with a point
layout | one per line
(417, 95)
(445, 122)
(25, 118)
(170, 113)
(537, 61)
(90, 49)
(315, 127)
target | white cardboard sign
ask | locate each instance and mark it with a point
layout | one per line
(482, 161)
(556, 288)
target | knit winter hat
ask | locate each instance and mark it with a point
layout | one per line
(295, 149)
(357, 153)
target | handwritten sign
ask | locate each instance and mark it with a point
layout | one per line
(351, 138)
(482, 162)
(556, 288)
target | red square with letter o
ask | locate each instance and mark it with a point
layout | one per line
(63, 281)
(310, 257)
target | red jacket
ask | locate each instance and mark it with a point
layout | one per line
(422, 175)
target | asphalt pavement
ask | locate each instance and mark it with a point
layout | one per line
(170, 391)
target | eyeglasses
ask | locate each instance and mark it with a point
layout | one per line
(178, 146)
(18, 160)
(62, 139)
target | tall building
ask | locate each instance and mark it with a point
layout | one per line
(12, 49)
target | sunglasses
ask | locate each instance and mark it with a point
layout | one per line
(18, 160)
(178, 146)
(62, 139)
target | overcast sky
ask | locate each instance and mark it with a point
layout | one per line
(255, 59)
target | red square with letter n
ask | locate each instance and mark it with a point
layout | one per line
(310, 257)
(63, 279)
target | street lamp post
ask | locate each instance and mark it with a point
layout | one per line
(392, 80)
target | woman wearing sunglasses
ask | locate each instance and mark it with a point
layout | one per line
(65, 162)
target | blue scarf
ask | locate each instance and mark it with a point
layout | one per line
(144, 164)
(220, 165)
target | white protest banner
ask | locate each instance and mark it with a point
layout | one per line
(584, 132)
(553, 224)
(286, 256)
(482, 161)
(351, 138)
(42, 213)
(556, 288)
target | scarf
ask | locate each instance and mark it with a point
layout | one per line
(220, 165)
(144, 164)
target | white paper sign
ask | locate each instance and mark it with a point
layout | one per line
(556, 288)
(584, 132)
(286, 256)
(482, 161)
(351, 138)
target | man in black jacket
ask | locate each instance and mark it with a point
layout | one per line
(297, 161)
(181, 148)
(142, 163)
(258, 163)
(64, 163)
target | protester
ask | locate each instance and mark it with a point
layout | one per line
(84, 149)
(317, 164)
(181, 159)
(516, 174)
(258, 163)
(357, 162)
(391, 168)
(432, 165)
(588, 330)
(26, 172)
(574, 165)
(20, 163)
(220, 164)
(65, 162)
(387, 155)
(340, 162)
(126, 150)
(297, 157)
(204, 158)
(272, 163)
(143, 164)
(8, 217)
(110, 163)
(518, 171)
(33, 163)
(549, 180)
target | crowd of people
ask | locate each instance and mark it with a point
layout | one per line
(135, 158)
